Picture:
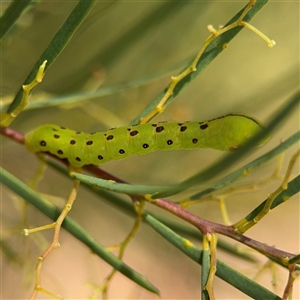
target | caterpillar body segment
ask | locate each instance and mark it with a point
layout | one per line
(225, 133)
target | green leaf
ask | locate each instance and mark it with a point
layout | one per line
(230, 159)
(292, 189)
(58, 43)
(126, 207)
(52, 212)
(233, 277)
(15, 9)
(113, 186)
(230, 178)
(212, 51)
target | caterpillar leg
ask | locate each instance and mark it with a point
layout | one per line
(139, 206)
(244, 224)
(7, 118)
(55, 242)
(193, 67)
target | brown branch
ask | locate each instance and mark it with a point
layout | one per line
(206, 227)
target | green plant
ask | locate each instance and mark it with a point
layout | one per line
(127, 54)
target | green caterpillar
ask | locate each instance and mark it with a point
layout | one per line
(225, 133)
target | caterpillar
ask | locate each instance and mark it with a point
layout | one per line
(225, 133)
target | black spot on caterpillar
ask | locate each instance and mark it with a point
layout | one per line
(225, 133)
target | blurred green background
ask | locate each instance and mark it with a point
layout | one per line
(120, 42)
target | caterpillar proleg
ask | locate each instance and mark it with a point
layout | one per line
(226, 133)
